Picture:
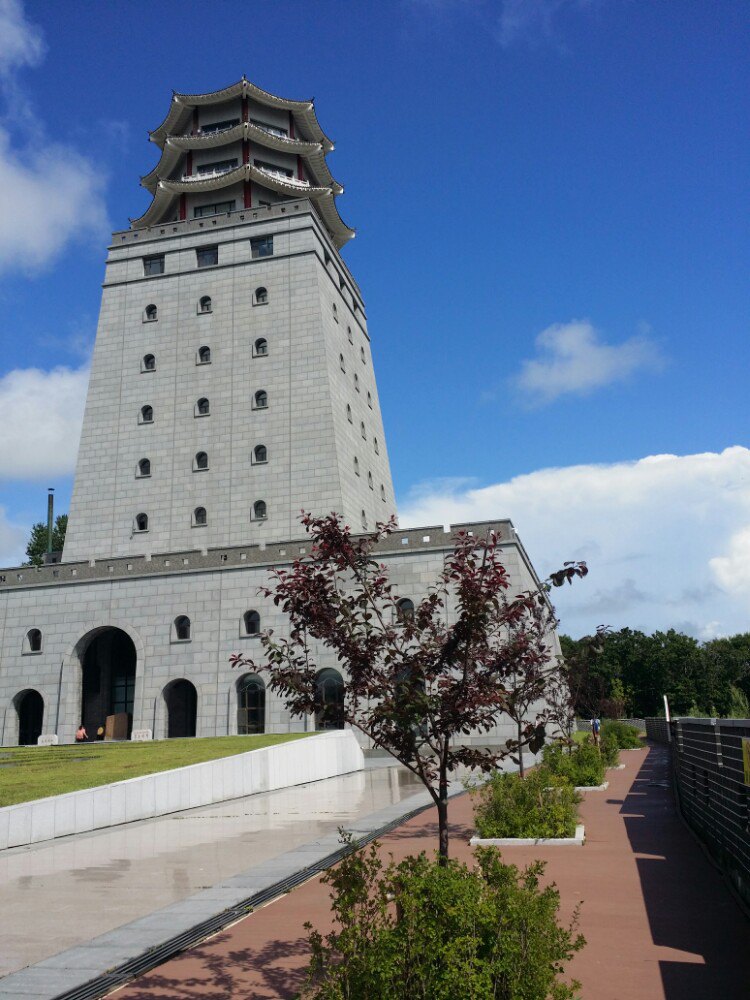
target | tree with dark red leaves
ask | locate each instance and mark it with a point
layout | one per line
(415, 685)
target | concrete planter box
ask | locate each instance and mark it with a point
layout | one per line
(577, 841)
(617, 767)
(593, 788)
(324, 756)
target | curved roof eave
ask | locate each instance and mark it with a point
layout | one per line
(160, 204)
(303, 111)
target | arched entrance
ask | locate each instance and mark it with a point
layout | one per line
(251, 705)
(108, 661)
(182, 708)
(30, 708)
(329, 700)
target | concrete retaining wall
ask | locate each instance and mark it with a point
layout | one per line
(323, 756)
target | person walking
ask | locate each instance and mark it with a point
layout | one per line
(596, 727)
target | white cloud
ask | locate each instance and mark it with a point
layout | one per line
(13, 538)
(50, 194)
(533, 21)
(21, 43)
(572, 359)
(42, 415)
(667, 538)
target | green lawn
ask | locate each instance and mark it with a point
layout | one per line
(36, 772)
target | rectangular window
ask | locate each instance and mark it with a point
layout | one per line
(219, 208)
(153, 265)
(207, 256)
(218, 126)
(261, 246)
(271, 129)
(272, 168)
(217, 166)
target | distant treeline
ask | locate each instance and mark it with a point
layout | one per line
(626, 673)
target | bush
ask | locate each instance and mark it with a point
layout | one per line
(538, 805)
(609, 750)
(438, 932)
(625, 736)
(583, 765)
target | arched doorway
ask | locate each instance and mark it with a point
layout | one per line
(251, 705)
(108, 661)
(182, 708)
(30, 708)
(329, 700)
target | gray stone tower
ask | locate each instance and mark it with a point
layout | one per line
(232, 381)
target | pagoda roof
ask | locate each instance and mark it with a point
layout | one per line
(176, 145)
(322, 196)
(182, 105)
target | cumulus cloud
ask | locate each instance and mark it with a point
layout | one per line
(573, 360)
(667, 538)
(29, 169)
(42, 415)
(532, 22)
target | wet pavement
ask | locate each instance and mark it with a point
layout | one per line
(63, 893)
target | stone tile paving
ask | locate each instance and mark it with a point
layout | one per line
(660, 922)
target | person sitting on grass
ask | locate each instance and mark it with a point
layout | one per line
(81, 734)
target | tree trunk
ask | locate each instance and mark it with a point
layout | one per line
(521, 769)
(442, 810)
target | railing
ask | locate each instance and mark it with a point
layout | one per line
(207, 174)
(297, 181)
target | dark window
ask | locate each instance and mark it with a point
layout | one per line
(150, 313)
(335, 312)
(202, 407)
(141, 522)
(207, 257)
(362, 430)
(382, 492)
(364, 521)
(349, 334)
(369, 481)
(218, 126)
(182, 627)
(356, 382)
(261, 296)
(356, 466)
(272, 129)
(204, 355)
(201, 460)
(34, 639)
(261, 347)
(217, 208)
(252, 622)
(144, 467)
(260, 510)
(369, 400)
(362, 355)
(261, 453)
(377, 447)
(329, 700)
(153, 265)
(251, 705)
(261, 399)
(349, 413)
(204, 305)
(342, 366)
(149, 363)
(405, 609)
(261, 246)
(199, 516)
(273, 168)
(217, 166)
(147, 414)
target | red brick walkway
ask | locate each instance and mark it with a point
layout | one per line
(659, 921)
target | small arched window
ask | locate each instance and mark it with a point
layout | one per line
(349, 414)
(141, 522)
(150, 314)
(356, 382)
(260, 454)
(202, 407)
(261, 296)
(200, 518)
(405, 609)
(369, 400)
(34, 640)
(182, 628)
(204, 355)
(204, 304)
(363, 430)
(144, 467)
(382, 492)
(335, 312)
(261, 399)
(376, 446)
(342, 366)
(251, 621)
(260, 347)
(201, 461)
(349, 334)
(149, 363)
(259, 510)
(356, 466)
(147, 414)
(363, 355)
(369, 481)
(364, 520)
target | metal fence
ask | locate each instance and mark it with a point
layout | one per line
(584, 725)
(710, 780)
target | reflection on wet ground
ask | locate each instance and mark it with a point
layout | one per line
(61, 894)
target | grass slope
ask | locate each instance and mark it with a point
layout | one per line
(35, 772)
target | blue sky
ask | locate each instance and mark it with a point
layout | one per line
(550, 199)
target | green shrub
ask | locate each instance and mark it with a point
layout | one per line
(539, 805)
(582, 765)
(609, 750)
(422, 931)
(625, 736)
